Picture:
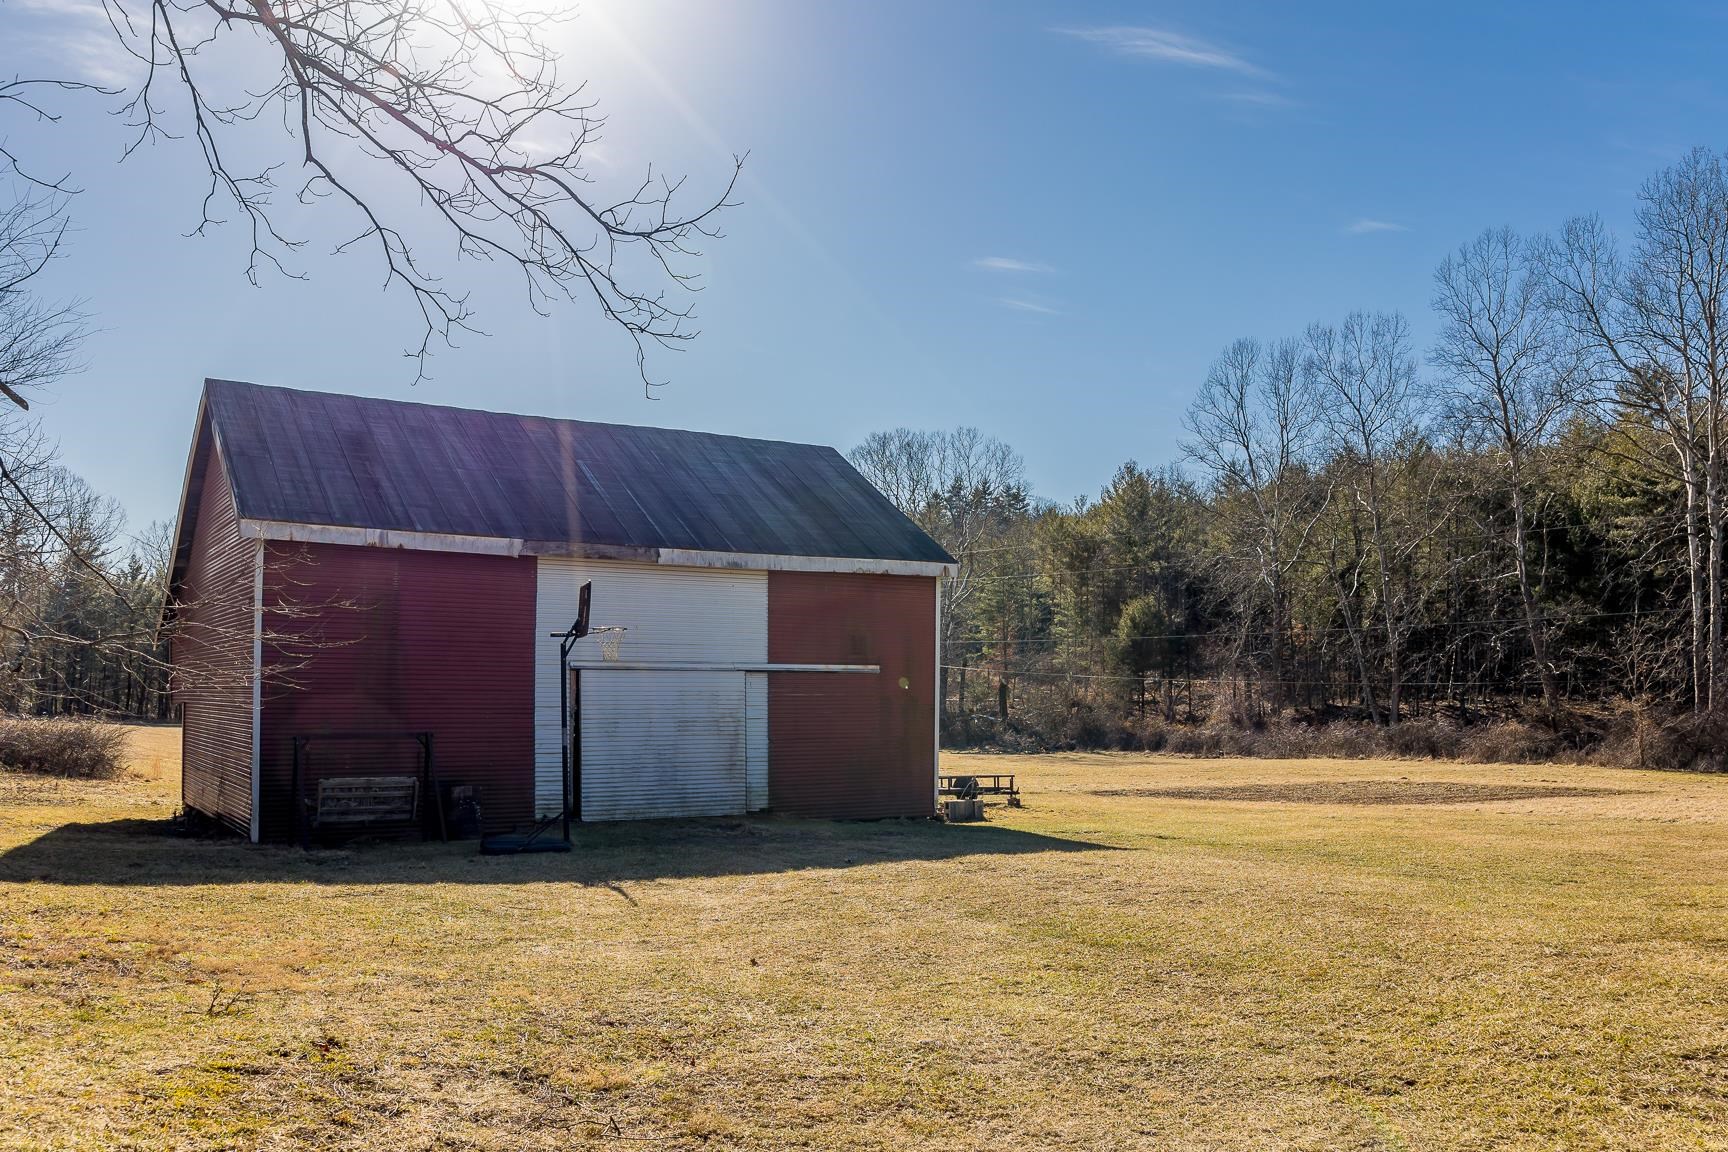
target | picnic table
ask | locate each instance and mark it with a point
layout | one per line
(970, 785)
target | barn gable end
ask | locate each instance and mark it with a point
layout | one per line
(213, 650)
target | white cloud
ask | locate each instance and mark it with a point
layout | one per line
(1009, 264)
(1170, 47)
(87, 8)
(78, 35)
(1365, 226)
(1018, 305)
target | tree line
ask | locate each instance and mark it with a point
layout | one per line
(80, 598)
(1524, 518)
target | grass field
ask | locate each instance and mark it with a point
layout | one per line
(1152, 954)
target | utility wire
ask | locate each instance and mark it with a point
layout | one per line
(1211, 679)
(1372, 626)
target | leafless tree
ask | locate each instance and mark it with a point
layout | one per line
(945, 481)
(1253, 431)
(963, 488)
(1512, 372)
(1362, 379)
(457, 106)
(57, 544)
(44, 511)
(55, 532)
(1658, 320)
(38, 340)
(902, 464)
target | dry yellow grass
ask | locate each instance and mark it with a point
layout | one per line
(1152, 954)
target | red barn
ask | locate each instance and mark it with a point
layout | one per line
(347, 565)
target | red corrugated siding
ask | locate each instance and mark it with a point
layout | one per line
(213, 655)
(433, 641)
(843, 744)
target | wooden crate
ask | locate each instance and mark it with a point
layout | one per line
(963, 811)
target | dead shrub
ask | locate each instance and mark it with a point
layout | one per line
(1146, 734)
(1049, 721)
(1343, 740)
(1509, 742)
(1339, 740)
(1423, 739)
(1046, 720)
(1195, 742)
(1646, 738)
(71, 747)
(1082, 727)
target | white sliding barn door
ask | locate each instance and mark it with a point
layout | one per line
(662, 743)
(674, 615)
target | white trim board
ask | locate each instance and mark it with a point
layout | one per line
(509, 546)
(768, 563)
(257, 692)
(936, 690)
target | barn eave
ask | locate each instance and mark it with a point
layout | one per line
(286, 531)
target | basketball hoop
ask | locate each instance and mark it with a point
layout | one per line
(610, 639)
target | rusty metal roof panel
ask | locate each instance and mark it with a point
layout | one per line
(351, 461)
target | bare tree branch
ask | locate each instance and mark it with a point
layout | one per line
(38, 340)
(455, 105)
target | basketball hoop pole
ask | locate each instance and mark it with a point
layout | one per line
(514, 843)
(567, 641)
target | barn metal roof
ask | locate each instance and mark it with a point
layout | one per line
(574, 486)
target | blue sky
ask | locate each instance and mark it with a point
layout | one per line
(1044, 220)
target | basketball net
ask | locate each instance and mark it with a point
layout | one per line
(610, 637)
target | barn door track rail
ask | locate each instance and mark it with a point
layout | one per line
(733, 666)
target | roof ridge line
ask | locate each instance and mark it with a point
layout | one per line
(221, 380)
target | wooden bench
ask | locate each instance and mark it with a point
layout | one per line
(358, 801)
(972, 785)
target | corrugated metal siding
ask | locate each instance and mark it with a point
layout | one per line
(756, 740)
(419, 641)
(662, 744)
(711, 615)
(852, 746)
(213, 655)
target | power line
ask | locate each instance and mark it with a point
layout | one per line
(1372, 626)
(1287, 682)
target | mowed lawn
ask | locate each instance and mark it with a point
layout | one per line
(1153, 953)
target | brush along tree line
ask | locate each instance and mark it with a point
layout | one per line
(1524, 519)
